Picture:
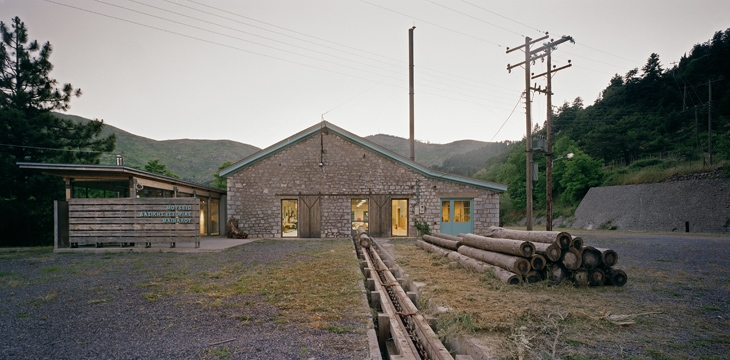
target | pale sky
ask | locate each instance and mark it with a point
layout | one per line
(259, 71)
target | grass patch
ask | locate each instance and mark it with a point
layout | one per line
(51, 270)
(22, 315)
(339, 329)
(50, 296)
(712, 308)
(5, 273)
(100, 301)
(152, 297)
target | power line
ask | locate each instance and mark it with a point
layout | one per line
(474, 17)
(252, 42)
(502, 16)
(273, 25)
(509, 116)
(431, 23)
(56, 149)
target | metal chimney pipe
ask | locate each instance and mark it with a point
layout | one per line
(410, 84)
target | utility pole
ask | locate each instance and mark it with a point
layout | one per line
(410, 92)
(547, 48)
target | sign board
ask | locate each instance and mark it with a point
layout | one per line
(134, 220)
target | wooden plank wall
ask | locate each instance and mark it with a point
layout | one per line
(126, 220)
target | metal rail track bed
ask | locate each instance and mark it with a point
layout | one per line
(400, 320)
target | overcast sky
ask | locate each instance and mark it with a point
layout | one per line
(259, 71)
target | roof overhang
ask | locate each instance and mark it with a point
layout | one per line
(85, 172)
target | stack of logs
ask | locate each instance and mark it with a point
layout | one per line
(514, 256)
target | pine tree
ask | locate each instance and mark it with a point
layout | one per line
(30, 132)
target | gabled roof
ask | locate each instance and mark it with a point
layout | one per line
(346, 135)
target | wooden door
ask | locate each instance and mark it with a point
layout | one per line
(380, 216)
(310, 216)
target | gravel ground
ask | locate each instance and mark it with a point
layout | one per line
(100, 306)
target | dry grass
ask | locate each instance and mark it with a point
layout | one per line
(320, 288)
(656, 174)
(538, 321)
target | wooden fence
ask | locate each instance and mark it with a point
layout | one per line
(127, 221)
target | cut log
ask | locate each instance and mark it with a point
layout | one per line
(590, 257)
(577, 243)
(481, 267)
(616, 277)
(447, 237)
(551, 251)
(556, 273)
(432, 248)
(537, 262)
(533, 277)
(571, 258)
(444, 243)
(596, 277)
(514, 264)
(505, 246)
(562, 239)
(608, 256)
(580, 277)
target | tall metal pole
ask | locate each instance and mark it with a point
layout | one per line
(410, 85)
(528, 136)
(549, 149)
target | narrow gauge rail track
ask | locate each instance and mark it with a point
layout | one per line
(412, 337)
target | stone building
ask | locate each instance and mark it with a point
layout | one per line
(326, 182)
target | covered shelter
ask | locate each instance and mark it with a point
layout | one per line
(125, 206)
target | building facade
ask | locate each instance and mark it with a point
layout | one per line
(327, 182)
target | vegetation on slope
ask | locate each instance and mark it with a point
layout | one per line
(649, 125)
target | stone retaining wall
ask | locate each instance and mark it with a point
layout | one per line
(666, 206)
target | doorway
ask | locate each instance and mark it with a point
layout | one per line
(399, 217)
(456, 216)
(289, 218)
(360, 214)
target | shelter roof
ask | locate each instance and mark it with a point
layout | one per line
(109, 172)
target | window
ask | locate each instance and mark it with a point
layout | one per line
(445, 211)
(214, 217)
(462, 211)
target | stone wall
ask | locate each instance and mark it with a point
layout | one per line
(349, 171)
(666, 206)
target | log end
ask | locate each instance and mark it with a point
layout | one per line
(532, 277)
(617, 277)
(527, 249)
(610, 258)
(577, 242)
(564, 240)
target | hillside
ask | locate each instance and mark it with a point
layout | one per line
(193, 160)
(650, 125)
(438, 155)
(196, 160)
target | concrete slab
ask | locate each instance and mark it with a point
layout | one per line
(207, 244)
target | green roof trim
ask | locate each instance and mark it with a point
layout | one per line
(346, 135)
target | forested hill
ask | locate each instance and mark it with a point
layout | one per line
(192, 160)
(197, 160)
(463, 157)
(652, 110)
(648, 125)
